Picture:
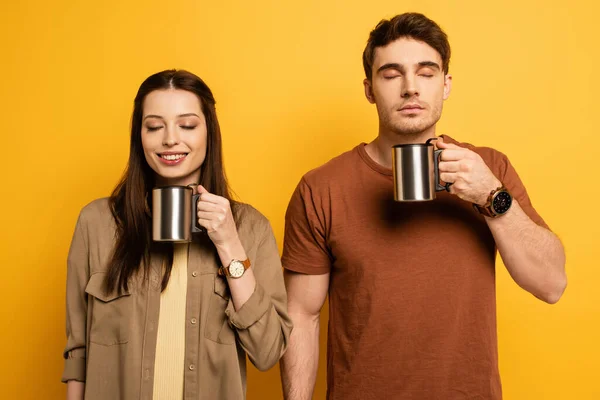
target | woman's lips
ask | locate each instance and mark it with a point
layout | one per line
(172, 158)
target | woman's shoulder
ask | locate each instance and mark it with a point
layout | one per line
(96, 212)
(96, 208)
(250, 221)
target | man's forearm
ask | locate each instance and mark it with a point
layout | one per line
(533, 255)
(300, 362)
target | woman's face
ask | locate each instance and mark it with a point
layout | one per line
(174, 136)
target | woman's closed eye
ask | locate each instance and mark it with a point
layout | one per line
(189, 127)
(154, 128)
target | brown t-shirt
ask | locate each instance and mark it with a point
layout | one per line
(412, 300)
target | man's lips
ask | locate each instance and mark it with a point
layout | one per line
(411, 107)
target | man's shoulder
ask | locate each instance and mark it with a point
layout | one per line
(334, 169)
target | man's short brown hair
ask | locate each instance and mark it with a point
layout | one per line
(411, 25)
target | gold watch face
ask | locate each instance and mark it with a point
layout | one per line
(236, 269)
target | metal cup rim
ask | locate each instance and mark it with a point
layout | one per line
(172, 187)
(413, 145)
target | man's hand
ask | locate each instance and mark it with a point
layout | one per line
(471, 178)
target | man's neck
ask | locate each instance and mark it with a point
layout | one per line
(380, 149)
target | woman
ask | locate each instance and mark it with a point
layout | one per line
(149, 320)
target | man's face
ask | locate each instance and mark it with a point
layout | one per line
(408, 86)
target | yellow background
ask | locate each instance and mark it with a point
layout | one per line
(287, 78)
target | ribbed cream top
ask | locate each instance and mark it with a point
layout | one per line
(170, 344)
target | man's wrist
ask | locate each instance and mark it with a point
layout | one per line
(484, 197)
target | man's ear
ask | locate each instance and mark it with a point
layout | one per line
(447, 86)
(369, 91)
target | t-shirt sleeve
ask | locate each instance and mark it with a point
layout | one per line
(305, 247)
(516, 188)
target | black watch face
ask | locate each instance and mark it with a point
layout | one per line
(502, 202)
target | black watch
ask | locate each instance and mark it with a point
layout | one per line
(497, 204)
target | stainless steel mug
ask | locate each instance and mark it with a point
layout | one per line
(416, 171)
(174, 213)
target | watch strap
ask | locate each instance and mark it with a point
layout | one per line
(484, 210)
(487, 208)
(224, 271)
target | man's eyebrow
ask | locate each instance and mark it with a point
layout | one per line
(395, 66)
(400, 67)
(430, 64)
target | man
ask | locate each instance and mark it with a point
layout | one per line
(412, 312)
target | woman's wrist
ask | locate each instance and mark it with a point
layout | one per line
(231, 250)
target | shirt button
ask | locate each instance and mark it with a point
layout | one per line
(194, 320)
(192, 367)
(194, 274)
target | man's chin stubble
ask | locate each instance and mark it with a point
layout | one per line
(413, 130)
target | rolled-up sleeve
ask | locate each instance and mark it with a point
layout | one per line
(262, 323)
(515, 186)
(76, 302)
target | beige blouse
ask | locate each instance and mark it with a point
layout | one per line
(111, 338)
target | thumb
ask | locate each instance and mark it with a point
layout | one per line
(440, 144)
(202, 189)
(443, 145)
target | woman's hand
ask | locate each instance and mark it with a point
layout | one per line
(214, 215)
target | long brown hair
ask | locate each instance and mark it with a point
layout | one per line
(130, 200)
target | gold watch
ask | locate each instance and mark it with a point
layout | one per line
(235, 269)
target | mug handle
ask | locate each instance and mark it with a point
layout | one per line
(195, 227)
(437, 154)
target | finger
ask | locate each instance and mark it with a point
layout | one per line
(453, 154)
(206, 223)
(210, 224)
(201, 189)
(443, 145)
(210, 207)
(449, 166)
(208, 196)
(211, 198)
(448, 177)
(210, 216)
